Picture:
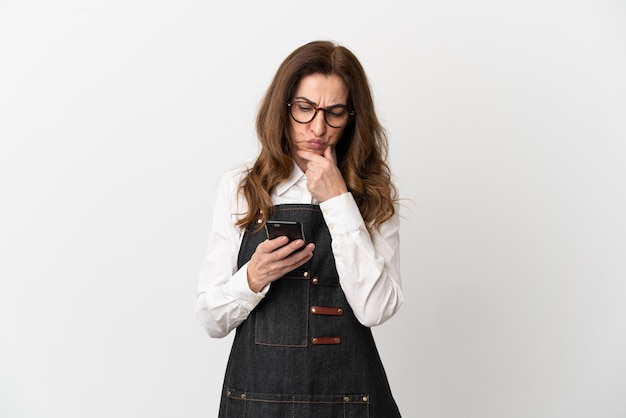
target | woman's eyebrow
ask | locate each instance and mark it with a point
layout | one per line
(304, 99)
(313, 103)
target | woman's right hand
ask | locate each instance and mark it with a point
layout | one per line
(274, 258)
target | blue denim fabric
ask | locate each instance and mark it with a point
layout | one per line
(276, 370)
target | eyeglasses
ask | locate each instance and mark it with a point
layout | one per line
(336, 116)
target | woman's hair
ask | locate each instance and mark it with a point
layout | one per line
(361, 151)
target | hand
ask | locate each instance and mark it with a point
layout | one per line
(274, 258)
(324, 180)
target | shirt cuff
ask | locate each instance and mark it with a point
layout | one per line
(240, 290)
(342, 214)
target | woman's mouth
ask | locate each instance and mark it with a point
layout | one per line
(316, 145)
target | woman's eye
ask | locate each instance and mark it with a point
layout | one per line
(336, 113)
(304, 108)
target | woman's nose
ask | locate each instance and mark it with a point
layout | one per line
(318, 124)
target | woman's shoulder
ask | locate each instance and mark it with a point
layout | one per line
(231, 179)
(228, 190)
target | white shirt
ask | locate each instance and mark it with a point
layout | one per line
(368, 266)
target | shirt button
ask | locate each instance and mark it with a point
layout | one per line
(330, 227)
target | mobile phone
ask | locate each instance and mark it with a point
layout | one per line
(290, 229)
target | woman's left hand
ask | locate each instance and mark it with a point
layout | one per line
(324, 180)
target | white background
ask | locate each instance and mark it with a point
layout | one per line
(507, 122)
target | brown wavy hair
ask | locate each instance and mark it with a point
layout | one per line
(361, 151)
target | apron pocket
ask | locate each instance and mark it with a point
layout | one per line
(241, 404)
(282, 318)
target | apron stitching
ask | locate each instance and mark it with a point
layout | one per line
(308, 303)
(306, 325)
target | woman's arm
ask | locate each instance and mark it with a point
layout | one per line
(224, 299)
(368, 266)
(226, 296)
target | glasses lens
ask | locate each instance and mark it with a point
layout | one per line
(335, 116)
(303, 112)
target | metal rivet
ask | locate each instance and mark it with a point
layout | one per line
(314, 280)
(314, 340)
(228, 393)
(339, 311)
(243, 396)
(337, 340)
(365, 398)
(346, 399)
(313, 310)
(259, 221)
(306, 274)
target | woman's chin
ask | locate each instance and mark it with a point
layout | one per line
(317, 150)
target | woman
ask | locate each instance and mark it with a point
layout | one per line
(303, 310)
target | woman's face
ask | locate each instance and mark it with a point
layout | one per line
(321, 91)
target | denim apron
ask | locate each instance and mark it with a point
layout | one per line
(301, 352)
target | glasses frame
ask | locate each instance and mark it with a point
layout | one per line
(351, 113)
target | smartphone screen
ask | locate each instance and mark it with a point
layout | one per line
(290, 229)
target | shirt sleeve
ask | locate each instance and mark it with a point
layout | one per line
(368, 265)
(224, 299)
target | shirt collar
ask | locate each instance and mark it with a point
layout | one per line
(296, 175)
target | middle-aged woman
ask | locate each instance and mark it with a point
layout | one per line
(303, 310)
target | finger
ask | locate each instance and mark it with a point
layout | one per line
(310, 156)
(287, 250)
(300, 257)
(290, 262)
(328, 154)
(270, 245)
